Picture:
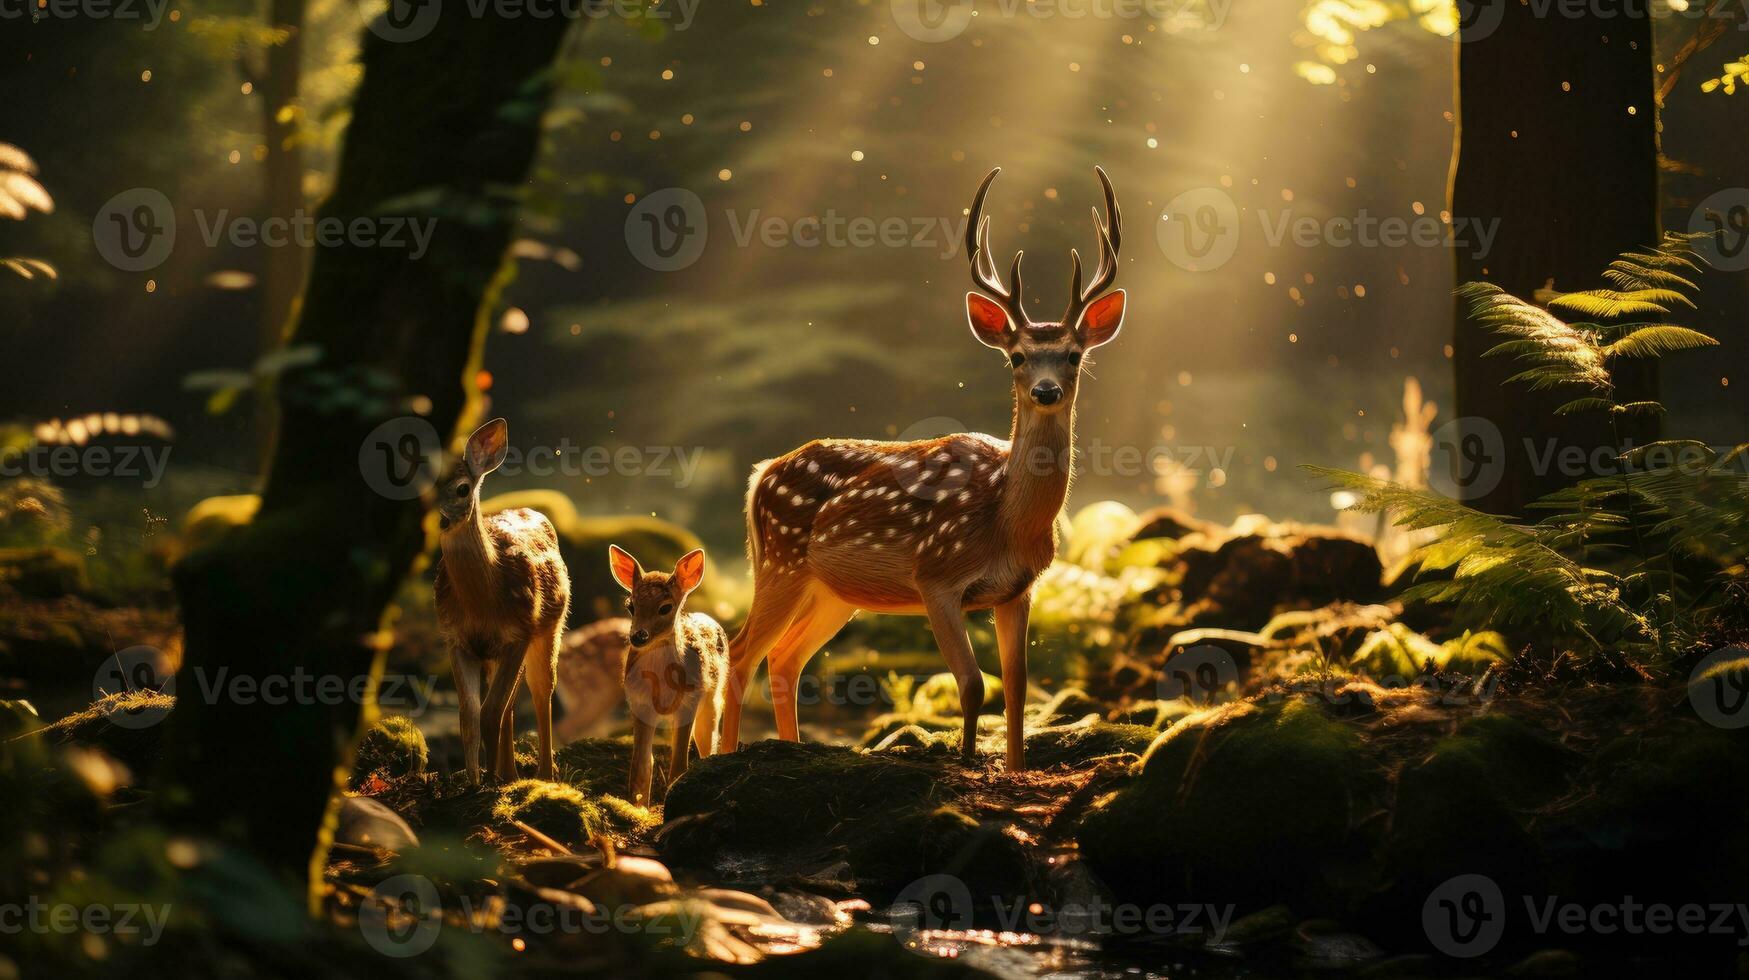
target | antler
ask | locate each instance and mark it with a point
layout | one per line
(978, 250)
(1110, 240)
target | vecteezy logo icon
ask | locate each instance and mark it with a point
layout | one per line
(402, 916)
(135, 230)
(1199, 674)
(1478, 19)
(1468, 458)
(1723, 218)
(932, 21)
(666, 230)
(932, 903)
(404, 20)
(1719, 687)
(137, 668)
(1465, 916)
(399, 459)
(1199, 229)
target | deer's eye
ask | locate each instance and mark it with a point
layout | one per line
(461, 490)
(1017, 358)
(1075, 358)
(666, 608)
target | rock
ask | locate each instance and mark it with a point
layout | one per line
(1080, 742)
(393, 747)
(786, 810)
(1170, 522)
(1071, 703)
(630, 881)
(805, 907)
(1547, 963)
(1221, 780)
(364, 822)
(1243, 579)
(558, 810)
(43, 573)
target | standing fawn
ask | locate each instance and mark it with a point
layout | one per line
(935, 528)
(675, 669)
(502, 597)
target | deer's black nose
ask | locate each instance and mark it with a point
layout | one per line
(640, 637)
(1047, 393)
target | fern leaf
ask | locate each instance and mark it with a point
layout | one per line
(1586, 405)
(1658, 340)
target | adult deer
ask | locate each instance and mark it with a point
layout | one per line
(936, 528)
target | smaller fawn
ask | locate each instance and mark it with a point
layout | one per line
(502, 597)
(676, 665)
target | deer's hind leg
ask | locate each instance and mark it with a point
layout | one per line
(820, 620)
(541, 665)
(775, 601)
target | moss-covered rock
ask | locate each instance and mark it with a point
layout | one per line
(939, 696)
(1080, 742)
(43, 573)
(1070, 703)
(1249, 803)
(559, 810)
(1155, 713)
(1241, 580)
(393, 747)
(878, 819)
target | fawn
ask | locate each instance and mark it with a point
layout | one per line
(675, 668)
(934, 528)
(502, 598)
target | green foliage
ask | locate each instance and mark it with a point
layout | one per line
(1637, 561)
(393, 747)
(559, 810)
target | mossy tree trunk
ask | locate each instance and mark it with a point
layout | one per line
(1558, 145)
(282, 269)
(444, 129)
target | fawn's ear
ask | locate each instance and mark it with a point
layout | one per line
(626, 570)
(487, 447)
(689, 570)
(1101, 320)
(989, 322)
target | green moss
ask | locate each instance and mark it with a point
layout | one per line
(1080, 742)
(1156, 714)
(1398, 651)
(1071, 703)
(1256, 803)
(214, 517)
(559, 810)
(44, 573)
(393, 747)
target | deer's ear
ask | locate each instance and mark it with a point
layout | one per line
(689, 570)
(626, 570)
(1102, 320)
(488, 446)
(989, 321)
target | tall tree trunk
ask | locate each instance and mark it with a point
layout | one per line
(444, 129)
(1558, 145)
(282, 269)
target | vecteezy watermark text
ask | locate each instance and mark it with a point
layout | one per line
(34, 915)
(121, 461)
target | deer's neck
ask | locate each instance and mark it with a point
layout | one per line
(1040, 460)
(470, 558)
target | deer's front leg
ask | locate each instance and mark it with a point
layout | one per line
(643, 748)
(682, 733)
(1011, 623)
(464, 669)
(948, 622)
(499, 720)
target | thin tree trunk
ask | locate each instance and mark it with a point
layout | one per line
(282, 269)
(444, 129)
(1571, 177)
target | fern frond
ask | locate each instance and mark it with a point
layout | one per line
(1609, 304)
(1658, 340)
